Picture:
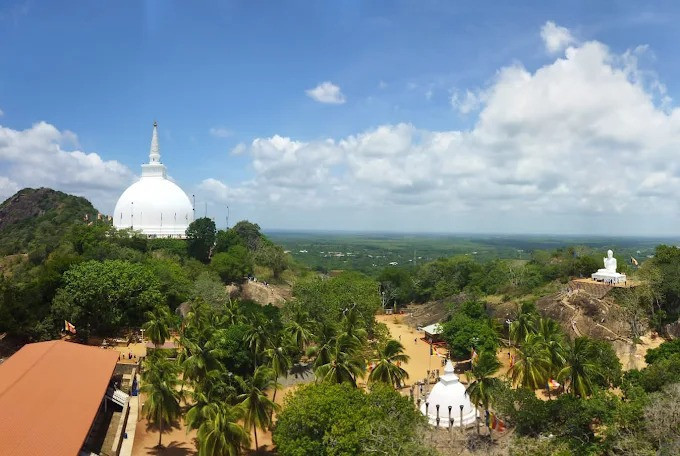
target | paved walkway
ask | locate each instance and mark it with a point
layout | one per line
(131, 426)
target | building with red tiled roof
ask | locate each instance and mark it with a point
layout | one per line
(55, 399)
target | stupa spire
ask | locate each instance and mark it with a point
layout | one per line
(154, 153)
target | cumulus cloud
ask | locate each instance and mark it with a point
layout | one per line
(555, 38)
(582, 139)
(221, 132)
(326, 92)
(35, 157)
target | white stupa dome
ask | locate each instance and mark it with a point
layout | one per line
(448, 392)
(154, 205)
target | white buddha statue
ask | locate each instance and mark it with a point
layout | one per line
(609, 274)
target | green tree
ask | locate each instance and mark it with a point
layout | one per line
(201, 238)
(469, 328)
(531, 366)
(387, 369)
(258, 407)
(162, 396)
(157, 326)
(299, 327)
(273, 257)
(579, 370)
(551, 336)
(345, 362)
(278, 357)
(102, 297)
(220, 433)
(227, 239)
(249, 233)
(524, 325)
(232, 266)
(482, 384)
(320, 420)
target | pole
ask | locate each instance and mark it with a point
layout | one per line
(193, 207)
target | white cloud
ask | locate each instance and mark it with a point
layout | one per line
(584, 143)
(326, 92)
(556, 38)
(471, 101)
(221, 132)
(35, 157)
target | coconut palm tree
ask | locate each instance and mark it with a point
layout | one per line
(257, 337)
(220, 433)
(218, 386)
(232, 313)
(345, 363)
(531, 368)
(278, 358)
(353, 324)
(386, 369)
(157, 326)
(299, 328)
(482, 381)
(524, 325)
(162, 396)
(258, 408)
(551, 336)
(325, 340)
(579, 370)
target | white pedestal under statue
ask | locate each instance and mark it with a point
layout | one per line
(608, 274)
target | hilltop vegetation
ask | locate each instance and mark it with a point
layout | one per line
(34, 220)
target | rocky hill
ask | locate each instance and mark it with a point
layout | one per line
(34, 217)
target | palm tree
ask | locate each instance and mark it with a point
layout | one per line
(162, 396)
(353, 324)
(299, 328)
(345, 363)
(481, 387)
(257, 337)
(258, 408)
(157, 325)
(325, 339)
(552, 338)
(579, 370)
(232, 312)
(524, 325)
(386, 368)
(531, 368)
(278, 356)
(220, 434)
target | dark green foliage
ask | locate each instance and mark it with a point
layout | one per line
(236, 356)
(655, 376)
(325, 300)
(174, 283)
(603, 355)
(273, 257)
(172, 246)
(227, 239)
(397, 286)
(469, 328)
(201, 238)
(102, 297)
(338, 419)
(249, 233)
(234, 265)
(663, 351)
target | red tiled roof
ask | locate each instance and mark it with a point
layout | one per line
(49, 396)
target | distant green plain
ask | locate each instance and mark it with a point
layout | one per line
(371, 252)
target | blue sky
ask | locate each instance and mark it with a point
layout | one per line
(436, 116)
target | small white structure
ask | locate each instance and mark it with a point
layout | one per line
(449, 392)
(609, 274)
(154, 205)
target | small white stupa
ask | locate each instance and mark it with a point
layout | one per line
(449, 392)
